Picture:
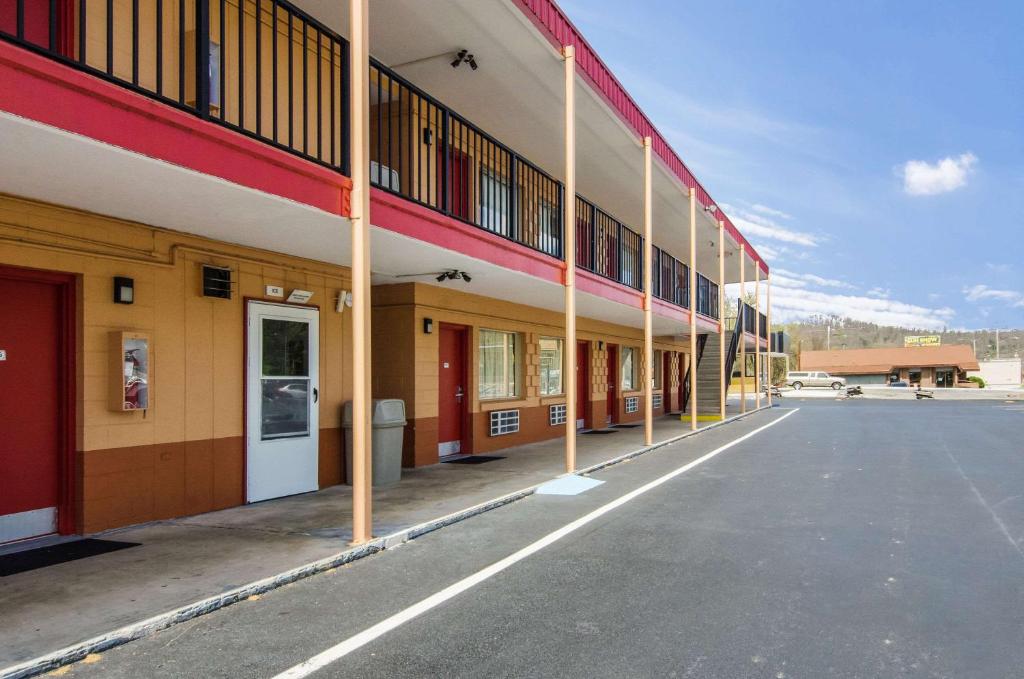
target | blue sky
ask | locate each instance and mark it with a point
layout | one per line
(873, 151)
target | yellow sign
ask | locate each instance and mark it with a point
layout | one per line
(922, 341)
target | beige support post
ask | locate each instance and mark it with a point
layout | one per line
(741, 312)
(757, 334)
(362, 516)
(768, 304)
(648, 259)
(721, 317)
(693, 309)
(569, 250)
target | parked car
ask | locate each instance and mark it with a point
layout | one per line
(799, 380)
(899, 383)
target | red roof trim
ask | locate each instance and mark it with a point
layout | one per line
(549, 18)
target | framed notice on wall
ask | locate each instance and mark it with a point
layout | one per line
(131, 359)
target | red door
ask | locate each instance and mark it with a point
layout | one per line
(34, 402)
(613, 384)
(36, 23)
(458, 181)
(453, 396)
(582, 384)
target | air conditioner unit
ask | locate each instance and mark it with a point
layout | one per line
(384, 177)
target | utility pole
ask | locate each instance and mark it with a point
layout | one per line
(828, 337)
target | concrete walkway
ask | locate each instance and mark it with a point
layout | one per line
(184, 560)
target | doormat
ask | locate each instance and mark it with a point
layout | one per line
(30, 560)
(475, 459)
(598, 431)
(625, 426)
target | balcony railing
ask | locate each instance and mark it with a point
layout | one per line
(425, 152)
(749, 318)
(607, 247)
(707, 296)
(671, 279)
(260, 67)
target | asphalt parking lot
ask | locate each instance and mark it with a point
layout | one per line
(850, 539)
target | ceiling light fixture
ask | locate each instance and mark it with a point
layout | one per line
(464, 57)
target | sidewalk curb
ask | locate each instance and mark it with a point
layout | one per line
(144, 628)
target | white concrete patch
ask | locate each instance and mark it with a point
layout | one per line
(568, 485)
(370, 634)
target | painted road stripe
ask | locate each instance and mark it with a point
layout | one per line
(356, 642)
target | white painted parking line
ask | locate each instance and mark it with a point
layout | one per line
(357, 641)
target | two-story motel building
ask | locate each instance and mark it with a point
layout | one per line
(220, 220)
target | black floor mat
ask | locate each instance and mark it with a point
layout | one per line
(475, 459)
(29, 560)
(599, 431)
(625, 426)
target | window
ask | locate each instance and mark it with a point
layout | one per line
(629, 369)
(656, 368)
(551, 361)
(499, 364)
(494, 193)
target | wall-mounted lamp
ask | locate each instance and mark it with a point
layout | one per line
(600, 345)
(428, 136)
(428, 326)
(124, 290)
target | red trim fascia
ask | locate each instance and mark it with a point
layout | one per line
(552, 22)
(398, 214)
(588, 281)
(707, 324)
(669, 310)
(44, 90)
(67, 503)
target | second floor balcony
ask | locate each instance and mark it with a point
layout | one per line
(269, 71)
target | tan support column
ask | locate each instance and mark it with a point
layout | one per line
(649, 366)
(768, 304)
(569, 251)
(757, 334)
(693, 309)
(362, 493)
(721, 316)
(741, 311)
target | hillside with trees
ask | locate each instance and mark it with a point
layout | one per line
(843, 333)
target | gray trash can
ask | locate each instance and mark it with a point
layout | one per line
(386, 440)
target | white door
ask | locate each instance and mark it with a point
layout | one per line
(281, 400)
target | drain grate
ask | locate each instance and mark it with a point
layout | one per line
(41, 557)
(475, 459)
(625, 426)
(599, 431)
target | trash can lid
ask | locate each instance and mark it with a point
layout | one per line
(389, 411)
(384, 411)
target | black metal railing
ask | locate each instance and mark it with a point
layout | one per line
(427, 153)
(670, 280)
(261, 67)
(607, 247)
(707, 296)
(749, 317)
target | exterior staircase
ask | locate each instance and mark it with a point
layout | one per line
(709, 376)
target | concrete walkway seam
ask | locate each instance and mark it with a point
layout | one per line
(162, 621)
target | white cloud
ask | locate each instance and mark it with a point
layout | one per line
(799, 303)
(754, 224)
(921, 178)
(983, 293)
(804, 278)
(770, 211)
(882, 293)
